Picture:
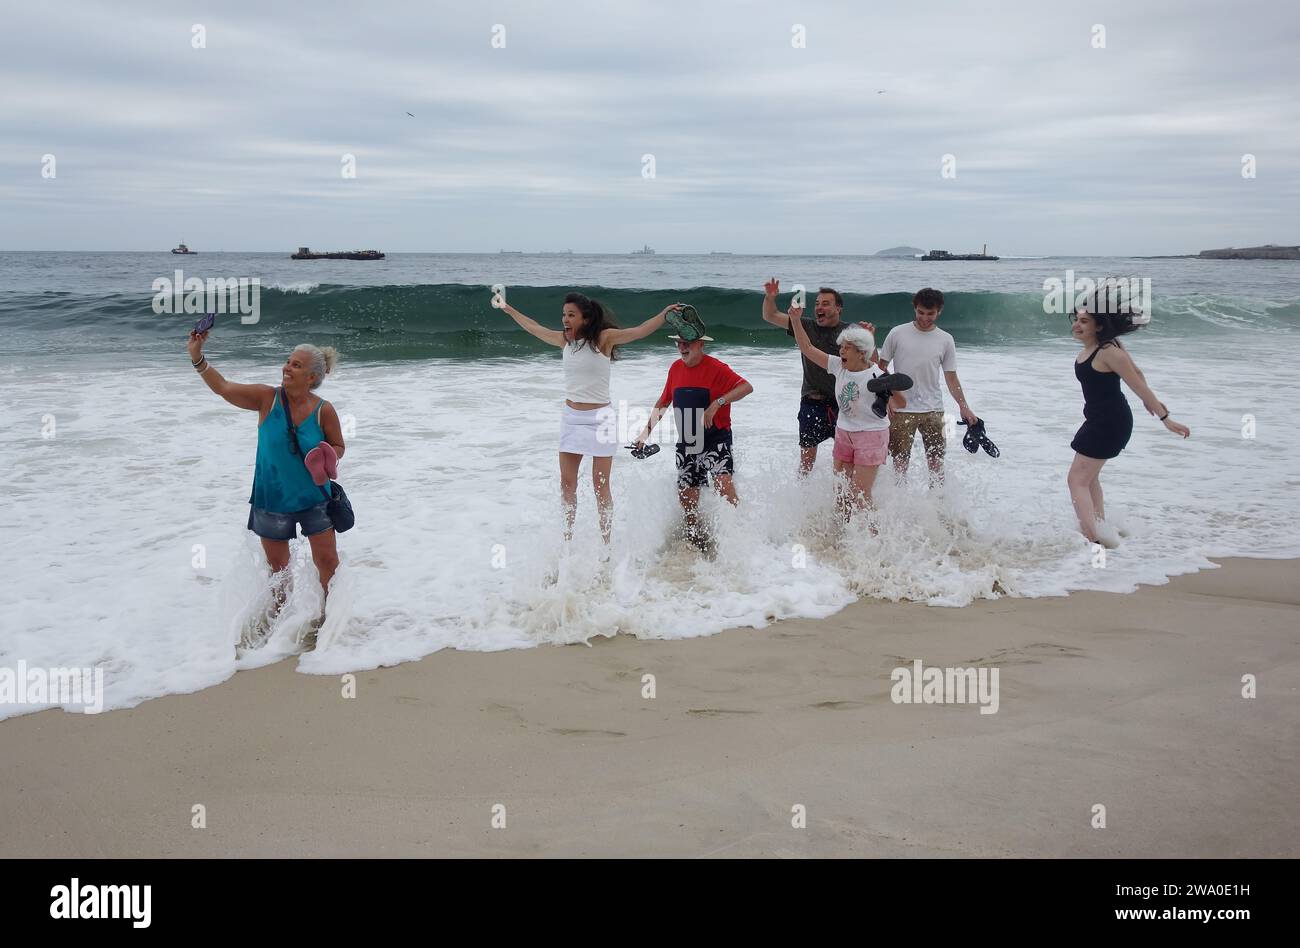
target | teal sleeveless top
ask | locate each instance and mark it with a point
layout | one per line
(281, 481)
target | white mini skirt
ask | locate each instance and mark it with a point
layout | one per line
(593, 432)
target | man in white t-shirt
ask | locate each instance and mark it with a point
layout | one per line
(925, 352)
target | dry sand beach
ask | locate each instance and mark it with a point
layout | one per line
(1129, 701)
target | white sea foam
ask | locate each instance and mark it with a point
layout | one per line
(453, 472)
(296, 286)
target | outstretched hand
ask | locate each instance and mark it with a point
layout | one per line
(672, 308)
(772, 287)
(1177, 429)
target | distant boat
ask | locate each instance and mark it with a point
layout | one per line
(719, 253)
(306, 253)
(644, 250)
(945, 255)
(183, 249)
(509, 251)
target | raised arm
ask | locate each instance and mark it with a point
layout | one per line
(531, 326)
(250, 397)
(618, 337)
(811, 352)
(770, 312)
(1118, 360)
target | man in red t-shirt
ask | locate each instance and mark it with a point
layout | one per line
(700, 390)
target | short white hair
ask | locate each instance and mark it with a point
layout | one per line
(321, 361)
(859, 338)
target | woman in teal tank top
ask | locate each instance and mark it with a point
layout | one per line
(284, 495)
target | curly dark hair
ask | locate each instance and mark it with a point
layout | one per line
(928, 297)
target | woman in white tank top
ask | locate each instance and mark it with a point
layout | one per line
(588, 426)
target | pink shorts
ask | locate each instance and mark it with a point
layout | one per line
(862, 447)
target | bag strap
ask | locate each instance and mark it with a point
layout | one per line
(288, 422)
(288, 416)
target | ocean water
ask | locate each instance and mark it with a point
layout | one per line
(127, 481)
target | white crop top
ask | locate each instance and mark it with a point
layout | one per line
(586, 374)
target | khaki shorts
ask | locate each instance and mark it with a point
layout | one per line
(902, 431)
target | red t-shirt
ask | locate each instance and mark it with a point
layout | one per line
(699, 386)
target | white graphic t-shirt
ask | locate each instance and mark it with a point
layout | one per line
(852, 397)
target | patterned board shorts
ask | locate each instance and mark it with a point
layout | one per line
(694, 470)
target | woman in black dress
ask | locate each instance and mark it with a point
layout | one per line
(1108, 421)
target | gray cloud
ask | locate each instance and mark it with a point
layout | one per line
(759, 147)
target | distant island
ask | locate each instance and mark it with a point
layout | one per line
(1266, 252)
(899, 252)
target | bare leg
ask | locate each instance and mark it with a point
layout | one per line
(277, 554)
(1083, 473)
(569, 464)
(1098, 503)
(843, 488)
(600, 471)
(807, 459)
(690, 499)
(325, 555)
(864, 478)
(722, 483)
(277, 557)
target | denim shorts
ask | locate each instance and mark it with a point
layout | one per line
(283, 526)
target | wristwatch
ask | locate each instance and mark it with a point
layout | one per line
(720, 401)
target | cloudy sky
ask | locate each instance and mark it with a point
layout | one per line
(758, 145)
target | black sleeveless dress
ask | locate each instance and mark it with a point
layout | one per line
(1108, 421)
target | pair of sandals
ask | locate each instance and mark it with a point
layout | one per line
(322, 463)
(976, 439)
(883, 386)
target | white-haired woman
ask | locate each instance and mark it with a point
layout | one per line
(284, 494)
(861, 435)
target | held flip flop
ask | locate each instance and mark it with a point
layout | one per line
(323, 463)
(885, 385)
(976, 438)
(644, 451)
(687, 322)
(890, 382)
(971, 441)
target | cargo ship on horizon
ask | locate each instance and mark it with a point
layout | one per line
(945, 255)
(306, 253)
